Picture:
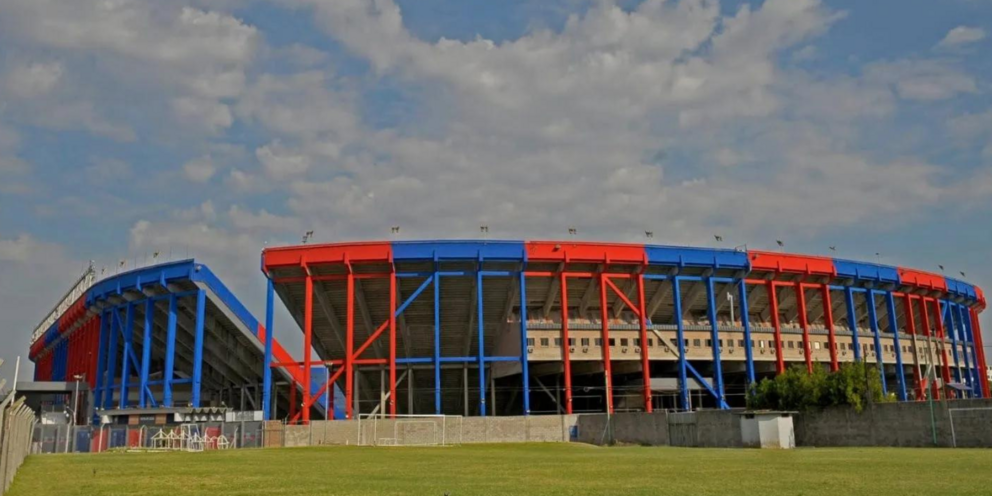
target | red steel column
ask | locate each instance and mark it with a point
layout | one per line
(983, 375)
(307, 343)
(828, 318)
(565, 353)
(804, 324)
(349, 346)
(604, 317)
(645, 359)
(777, 326)
(938, 318)
(925, 315)
(392, 343)
(911, 328)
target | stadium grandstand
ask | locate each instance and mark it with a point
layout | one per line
(505, 328)
(513, 327)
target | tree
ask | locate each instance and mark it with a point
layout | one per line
(853, 384)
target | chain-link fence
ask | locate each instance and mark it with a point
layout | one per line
(61, 438)
(17, 423)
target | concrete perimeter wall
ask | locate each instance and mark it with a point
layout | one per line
(426, 430)
(898, 424)
(889, 424)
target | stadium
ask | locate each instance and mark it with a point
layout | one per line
(500, 328)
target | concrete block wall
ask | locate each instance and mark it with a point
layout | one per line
(649, 429)
(458, 430)
(888, 424)
(897, 424)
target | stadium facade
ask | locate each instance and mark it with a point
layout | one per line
(510, 327)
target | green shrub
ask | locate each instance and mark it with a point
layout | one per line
(854, 384)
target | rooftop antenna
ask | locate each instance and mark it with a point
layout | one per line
(485, 231)
(307, 237)
(649, 234)
(395, 231)
(572, 231)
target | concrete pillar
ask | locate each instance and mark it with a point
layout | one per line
(355, 403)
(409, 391)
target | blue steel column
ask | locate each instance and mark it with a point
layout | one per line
(437, 340)
(482, 355)
(746, 323)
(852, 322)
(101, 355)
(108, 398)
(170, 354)
(128, 330)
(949, 318)
(201, 308)
(963, 338)
(680, 335)
(894, 325)
(970, 339)
(524, 361)
(146, 352)
(715, 333)
(267, 359)
(873, 321)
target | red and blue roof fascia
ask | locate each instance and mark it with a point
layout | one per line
(508, 251)
(614, 253)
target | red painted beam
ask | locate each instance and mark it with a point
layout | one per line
(777, 326)
(564, 251)
(828, 318)
(794, 264)
(645, 360)
(605, 336)
(566, 353)
(804, 324)
(292, 256)
(921, 279)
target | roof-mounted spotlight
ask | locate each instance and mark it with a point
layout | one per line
(649, 234)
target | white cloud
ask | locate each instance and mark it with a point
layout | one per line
(961, 35)
(120, 52)
(103, 170)
(924, 80)
(200, 169)
(280, 162)
(32, 80)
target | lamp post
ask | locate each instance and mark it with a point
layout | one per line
(75, 407)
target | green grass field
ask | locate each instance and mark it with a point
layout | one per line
(543, 469)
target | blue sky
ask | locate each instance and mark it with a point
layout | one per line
(215, 127)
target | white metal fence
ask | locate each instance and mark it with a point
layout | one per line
(16, 426)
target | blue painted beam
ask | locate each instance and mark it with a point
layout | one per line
(524, 362)
(852, 321)
(746, 323)
(201, 308)
(437, 342)
(267, 358)
(873, 321)
(894, 326)
(170, 354)
(108, 398)
(680, 333)
(146, 353)
(715, 337)
(128, 330)
(482, 351)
